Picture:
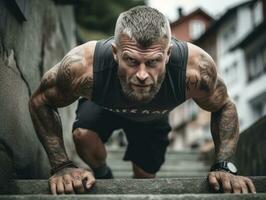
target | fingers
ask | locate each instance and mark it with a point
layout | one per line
(77, 183)
(56, 185)
(71, 182)
(67, 180)
(52, 182)
(60, 186)
(244, 187)
(250, 185)
(241, 184)
(89, 180)
(230, 183)
(237, 187)
(213, 181)
(226, 182)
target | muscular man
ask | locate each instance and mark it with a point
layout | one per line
(132, 81)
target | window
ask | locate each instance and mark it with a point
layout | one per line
(231, 75)
(196, 28)
(256, 63)
(228, 38)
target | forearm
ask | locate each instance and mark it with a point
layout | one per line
(225, 131)
(48, 127)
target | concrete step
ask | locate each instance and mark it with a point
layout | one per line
(122, 169)
(260, 196)
(166, 167)
(129, 174)
(170, 155)
(197, 185)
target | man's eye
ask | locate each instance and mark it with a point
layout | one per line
(131, 61)
(153, 62)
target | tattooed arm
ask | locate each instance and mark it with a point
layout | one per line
(61, 86)
(210, 93)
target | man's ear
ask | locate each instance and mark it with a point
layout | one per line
(169, 50)
(114, 50)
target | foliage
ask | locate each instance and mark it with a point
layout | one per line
(99, 16)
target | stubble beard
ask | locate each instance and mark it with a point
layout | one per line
(141, 96)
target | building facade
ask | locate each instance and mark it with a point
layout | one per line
(237, 23)
(189, 122)
(241, 65)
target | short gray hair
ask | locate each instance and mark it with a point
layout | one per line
(144, 24)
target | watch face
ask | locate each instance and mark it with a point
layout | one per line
(232, 167)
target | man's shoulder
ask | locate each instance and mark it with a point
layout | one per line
(201, 72)
(196, 53)
(104, 46)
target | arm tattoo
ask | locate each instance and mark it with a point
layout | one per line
(60, 86)
(211, 95)
(85, 85)
(65, 77)
(208, 73)
(192, 82)
(225, 131)
(79, 85)
(201, 79)
(216, 100)
(224, 121)
(46, 121)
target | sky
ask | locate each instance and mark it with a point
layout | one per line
(214, 8)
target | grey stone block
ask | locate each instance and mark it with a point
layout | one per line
(27, 50)
(261, 196)
(130, 186)
(252, 148)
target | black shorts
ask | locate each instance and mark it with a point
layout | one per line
(147, 142)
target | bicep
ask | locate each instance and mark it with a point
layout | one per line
(67, 81)
(50, 93)
(216, 100)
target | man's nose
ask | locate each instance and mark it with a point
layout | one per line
(142, 75)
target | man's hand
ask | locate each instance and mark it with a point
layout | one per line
(229, 183)
(71, 180)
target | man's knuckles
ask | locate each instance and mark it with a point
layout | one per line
(71, 181)
(237, 188)
(227, 188)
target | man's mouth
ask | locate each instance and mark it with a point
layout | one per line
(140, 85)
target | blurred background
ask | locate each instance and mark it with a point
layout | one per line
(35, 35)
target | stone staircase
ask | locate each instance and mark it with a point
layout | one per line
(177, 164)
(183, 176)
(131, 189)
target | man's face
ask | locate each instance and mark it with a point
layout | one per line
(141, 70)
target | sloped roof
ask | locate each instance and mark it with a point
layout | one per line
(198, 11)
(217, 23)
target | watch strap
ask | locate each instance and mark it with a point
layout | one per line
(222, 166)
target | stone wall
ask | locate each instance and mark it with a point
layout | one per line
(250, 156)
(28, 49)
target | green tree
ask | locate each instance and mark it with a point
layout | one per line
(96, 18)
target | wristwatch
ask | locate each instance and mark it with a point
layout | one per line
(226, 166)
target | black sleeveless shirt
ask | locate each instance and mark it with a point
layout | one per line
(107, 91)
